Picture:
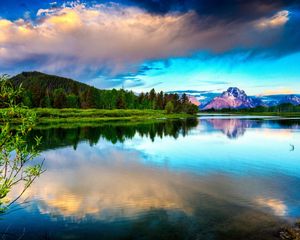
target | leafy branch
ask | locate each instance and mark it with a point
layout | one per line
(16, 121)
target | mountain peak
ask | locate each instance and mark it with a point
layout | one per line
(232, 98)
(235, 92)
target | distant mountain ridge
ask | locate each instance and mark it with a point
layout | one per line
(273, 100)
(236, 98)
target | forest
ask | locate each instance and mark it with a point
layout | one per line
(48, 91)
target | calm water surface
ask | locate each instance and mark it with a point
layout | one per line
(207, 178)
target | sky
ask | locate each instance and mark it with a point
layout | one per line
(205, 45)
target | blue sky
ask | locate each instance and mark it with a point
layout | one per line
(168, 45)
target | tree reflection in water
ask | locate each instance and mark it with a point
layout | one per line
(112, 132)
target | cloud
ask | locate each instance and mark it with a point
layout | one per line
(115, 182)
(114, 39)
(278, 206)
(45, 12)
(91, 39)
(227, 10)
(277, 92)
(277, 20)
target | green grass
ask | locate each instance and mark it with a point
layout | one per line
(116, 122)
(93, 116)
(50, 115)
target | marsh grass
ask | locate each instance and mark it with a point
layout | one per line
(99, 113)
(86, 116)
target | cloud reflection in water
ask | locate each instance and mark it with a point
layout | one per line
(201, 180)
(112, 182)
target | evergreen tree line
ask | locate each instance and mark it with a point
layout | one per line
(46, 91)
(109, 99)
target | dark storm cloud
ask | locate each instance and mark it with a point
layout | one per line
(237, 14)
(115, 39)
(225, 9)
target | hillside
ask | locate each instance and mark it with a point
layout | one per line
(48, 91)
(43, 90)
(45, 82)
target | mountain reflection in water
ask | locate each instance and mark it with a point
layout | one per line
(119, 132)
(183, 179)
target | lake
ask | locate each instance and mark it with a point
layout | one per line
(214, 177)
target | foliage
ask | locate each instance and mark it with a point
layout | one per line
(49, 91)
(191, 109)
(15, 154)
(59, 98)
(169, 107)
(72, 101)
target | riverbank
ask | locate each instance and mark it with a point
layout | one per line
(48, 115)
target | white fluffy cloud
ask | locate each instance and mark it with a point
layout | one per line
(116, 39)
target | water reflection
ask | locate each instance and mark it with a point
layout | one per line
(184, 179)
(278, 206)
(118, 184)
(112, 185)
(118, 132)
(232, 128)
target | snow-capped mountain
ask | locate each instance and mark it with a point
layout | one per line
(233, 98)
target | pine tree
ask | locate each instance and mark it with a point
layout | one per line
(59, 100)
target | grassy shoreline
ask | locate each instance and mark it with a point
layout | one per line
(47, 116)
(52, 116)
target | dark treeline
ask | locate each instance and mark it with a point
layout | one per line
(282, 108)
(60, 137)
(47, 91)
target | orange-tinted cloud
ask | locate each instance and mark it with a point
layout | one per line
(115, 38)
(277, 91)
(277, 206)
(277, 20)
(119, 183)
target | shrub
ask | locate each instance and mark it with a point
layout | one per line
(169, 108)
